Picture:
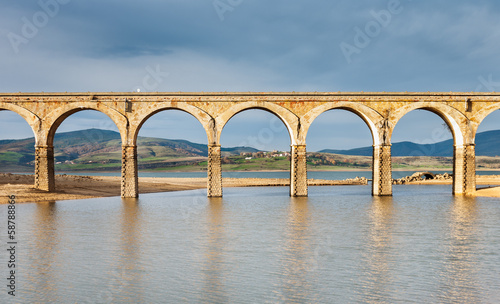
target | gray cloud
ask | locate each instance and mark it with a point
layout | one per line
(299, 41)
(259, 46)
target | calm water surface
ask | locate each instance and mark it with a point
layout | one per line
(257, 245)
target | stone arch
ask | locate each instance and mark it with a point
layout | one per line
(371, 117)
(456, 121)
(54, 119)
(290, 120)
(30, 118)
(143, 114)
(480, 116)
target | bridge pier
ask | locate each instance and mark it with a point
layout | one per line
(44, 168)
(464, 169)
(382, 171)
(214, 172)
(130, 177)
(298, 171)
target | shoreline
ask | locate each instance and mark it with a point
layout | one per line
(246, 171)
(493, 191)
(73, 187)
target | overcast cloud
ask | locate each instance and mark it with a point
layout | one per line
(253, 45)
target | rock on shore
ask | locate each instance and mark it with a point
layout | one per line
(418, 177)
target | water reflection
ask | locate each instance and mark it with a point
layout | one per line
(260, 247)
(45, 262)
(459, 278)
(214, 290)
(297, 256)
(127, 274)
(379, 258)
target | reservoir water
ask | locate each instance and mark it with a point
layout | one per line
(258, 245)
(328, 175)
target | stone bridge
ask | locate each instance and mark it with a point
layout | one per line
(462, 112)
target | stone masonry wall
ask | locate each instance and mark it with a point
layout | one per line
(214, 176)
(130, 177)
(298, 171)
(44, 168)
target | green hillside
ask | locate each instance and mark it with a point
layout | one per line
(96, 149)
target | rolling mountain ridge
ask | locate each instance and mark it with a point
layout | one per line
(487, 144)
(102, 149)
(104, 146)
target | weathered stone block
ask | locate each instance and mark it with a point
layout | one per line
(298, 171)
(214, 172)
(130, 177)
(382, 171)
(44, 168)
(464, 169)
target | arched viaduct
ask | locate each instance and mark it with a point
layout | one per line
(462, 112)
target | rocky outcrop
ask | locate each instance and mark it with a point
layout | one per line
(421, 176)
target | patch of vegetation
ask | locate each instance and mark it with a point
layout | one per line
(321, 161)
(94, 150)
(11, 157)
(241, 163)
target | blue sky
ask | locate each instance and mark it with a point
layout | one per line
(251, 45)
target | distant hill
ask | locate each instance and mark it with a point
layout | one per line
(95, 145)
(487, 144)
(96, 149)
